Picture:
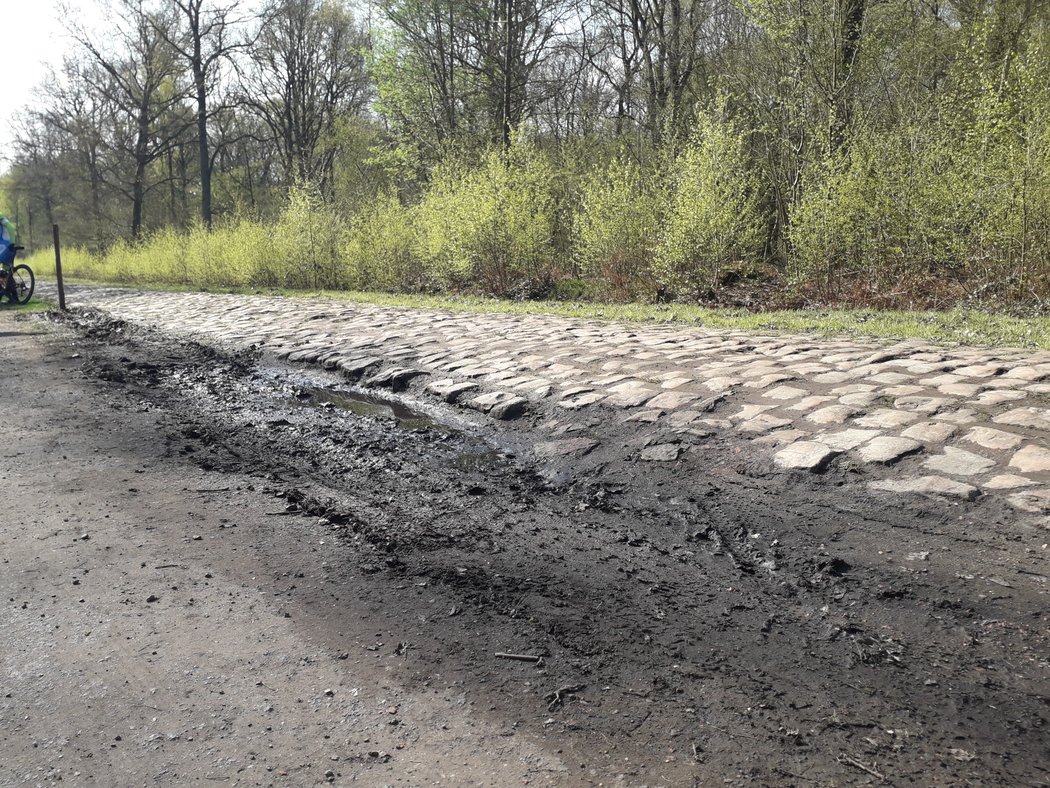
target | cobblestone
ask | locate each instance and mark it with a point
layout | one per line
(1031, 459)
(928, 485)
(959, 462)
(976, 414)
(993, 439)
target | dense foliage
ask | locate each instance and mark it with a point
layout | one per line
(887, 153)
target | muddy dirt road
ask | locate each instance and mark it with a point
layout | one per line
(219, 568)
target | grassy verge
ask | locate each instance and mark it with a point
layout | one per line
(34, 305)
(968, 327)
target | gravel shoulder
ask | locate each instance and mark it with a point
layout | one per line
(222, 568)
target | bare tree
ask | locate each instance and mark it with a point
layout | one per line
(205, 37)
(140, 75)
(307, 71)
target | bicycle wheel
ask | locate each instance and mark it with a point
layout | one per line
(22, 283)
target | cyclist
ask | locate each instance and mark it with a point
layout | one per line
(8, 240)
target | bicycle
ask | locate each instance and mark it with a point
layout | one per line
(17, 281)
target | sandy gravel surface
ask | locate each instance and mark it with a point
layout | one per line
(158, 634)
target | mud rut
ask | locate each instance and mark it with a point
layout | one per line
(738, 625)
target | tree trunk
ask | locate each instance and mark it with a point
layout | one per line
(142, 159)
(202, 149)
(852, 13)
(507, 73)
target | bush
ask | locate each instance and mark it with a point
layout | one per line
(713, 221)
(491, 228)
(238, 249)
(306, 246)
(616, 228)
(382, 250)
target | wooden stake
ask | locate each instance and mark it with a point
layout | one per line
(58, 271)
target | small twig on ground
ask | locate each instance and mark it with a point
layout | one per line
(520, 657)
(730, 733)
(642, 722)
(212, 489)
(787, 773)
(849, 759)
(557, 697)
(1033, 574)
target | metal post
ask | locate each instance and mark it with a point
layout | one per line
(58, 271)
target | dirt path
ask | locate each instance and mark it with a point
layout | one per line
(331, 578)
(158, 634)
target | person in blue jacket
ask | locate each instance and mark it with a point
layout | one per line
(8, 239)
(8, 250)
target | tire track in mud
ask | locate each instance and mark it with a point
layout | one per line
(753, 624)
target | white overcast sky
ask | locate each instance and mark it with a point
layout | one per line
(33, 36)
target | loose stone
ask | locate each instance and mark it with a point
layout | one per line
(768, 380)
(665, 452)
(450, 390)
(847, 439)
(785, 392)
(809, 403)
(887, 418)
(1000, 396)
(780, 438)
(1007, 481)
(581, 400)
(631, 394)
(901, 391)
(887, 450)
(397, 378)
(960, 389)
(670, 400)
(806, 456)
(861, 399)
(762, 423)
(645, 416)
(1032, 501)
(1035, 418)
(564, 448)
(510, 408)
(921, 404)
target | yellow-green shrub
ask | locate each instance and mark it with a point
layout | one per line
(895, 205)
(77, 263)
(307, 242)
(616, 227)
(491, 228)
(713, 221)
(382, 250)
(234, 249)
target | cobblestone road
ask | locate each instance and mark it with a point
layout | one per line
(956, 422)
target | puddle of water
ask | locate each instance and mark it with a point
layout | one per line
(481, 459)
(480, 462)
(363, 404)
